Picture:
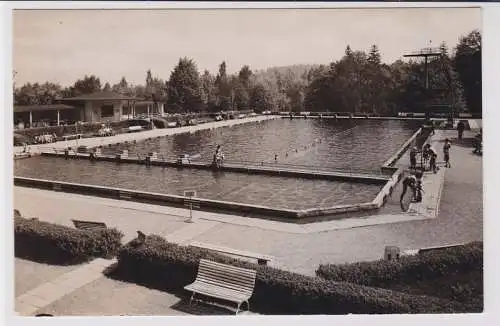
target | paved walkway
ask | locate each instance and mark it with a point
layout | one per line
(97, 141)
(29, 302)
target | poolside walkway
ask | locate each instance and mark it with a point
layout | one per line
(225, 229)
(97, 141)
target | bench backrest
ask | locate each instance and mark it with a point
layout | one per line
(87, 225)
(230, 277)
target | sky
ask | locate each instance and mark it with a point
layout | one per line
(64, 45)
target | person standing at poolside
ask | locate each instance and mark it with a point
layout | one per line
(446, 152)
(460, 129)
(432, 159)
(413, 158)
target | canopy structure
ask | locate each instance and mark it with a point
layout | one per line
(42, 108)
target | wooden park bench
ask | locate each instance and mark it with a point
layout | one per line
(88, 225)
(224, 282)
(261, 259)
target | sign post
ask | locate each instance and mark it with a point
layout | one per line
(188, 201)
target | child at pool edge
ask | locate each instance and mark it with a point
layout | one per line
(408, 181)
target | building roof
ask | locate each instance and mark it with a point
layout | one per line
(44, 107)
(100, 96)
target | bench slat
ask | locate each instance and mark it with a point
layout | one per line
(229, 268)
(228, 271)
(228, 286)
(222, 291)
(226, 279)
(212, 292)
(229, 277)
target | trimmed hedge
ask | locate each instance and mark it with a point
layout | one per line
(58, 244)
(454, 273)
(408, 269)
(162, 265)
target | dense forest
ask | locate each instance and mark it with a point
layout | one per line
(359, 82)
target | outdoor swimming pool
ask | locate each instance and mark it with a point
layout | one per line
(327, 143)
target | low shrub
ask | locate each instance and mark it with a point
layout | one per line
(58, 244)
(408, 269)
(162, 265)
(454, 273)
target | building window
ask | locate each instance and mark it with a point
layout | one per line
(107, 111)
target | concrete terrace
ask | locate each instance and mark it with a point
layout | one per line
(451, 212)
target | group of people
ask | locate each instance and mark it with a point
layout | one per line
(45, 139)
(429, 156)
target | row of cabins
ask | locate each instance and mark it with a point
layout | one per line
(94, 107)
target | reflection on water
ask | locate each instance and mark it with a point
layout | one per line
(362, 144)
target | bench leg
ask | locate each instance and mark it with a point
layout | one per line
(248, 305)
(238, 308)
(192, 297)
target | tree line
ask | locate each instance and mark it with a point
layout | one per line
(358, 83)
